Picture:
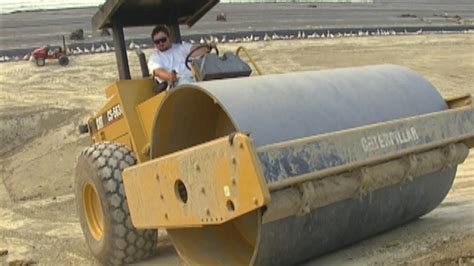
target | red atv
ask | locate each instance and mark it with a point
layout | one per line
(46, 52)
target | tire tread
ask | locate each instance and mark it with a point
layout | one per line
(109, 160)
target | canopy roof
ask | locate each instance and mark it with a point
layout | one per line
(129, 13)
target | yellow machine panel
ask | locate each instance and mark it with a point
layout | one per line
(108, 124)
(128, 115)
(208, 184)
(147, 111)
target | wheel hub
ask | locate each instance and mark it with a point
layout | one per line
(93, 211)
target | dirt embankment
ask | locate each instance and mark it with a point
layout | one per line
(40, 109)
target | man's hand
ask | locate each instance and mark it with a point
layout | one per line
(172, 76)
(165, 75)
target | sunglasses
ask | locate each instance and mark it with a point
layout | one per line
(161, 40)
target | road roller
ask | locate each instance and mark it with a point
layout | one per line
(245, 169)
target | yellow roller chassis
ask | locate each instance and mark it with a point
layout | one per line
(220, 184)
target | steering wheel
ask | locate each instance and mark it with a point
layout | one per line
(188, 57)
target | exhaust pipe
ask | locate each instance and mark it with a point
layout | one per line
(143, 64)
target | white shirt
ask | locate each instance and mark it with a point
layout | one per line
(172, 59)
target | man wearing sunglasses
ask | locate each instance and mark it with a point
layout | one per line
(167, 62)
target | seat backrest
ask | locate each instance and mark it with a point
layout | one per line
(229, 65)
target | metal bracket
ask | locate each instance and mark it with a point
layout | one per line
(412, 163)
(364, 186)
(307, 191)
(450, 151)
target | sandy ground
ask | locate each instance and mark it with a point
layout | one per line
(40, 109)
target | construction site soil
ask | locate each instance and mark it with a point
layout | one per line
(41, 107)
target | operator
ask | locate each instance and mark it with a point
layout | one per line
(167, 62)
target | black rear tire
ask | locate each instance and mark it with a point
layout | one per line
(115, 240)
(63, 60)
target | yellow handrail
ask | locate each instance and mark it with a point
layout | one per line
(241, 48)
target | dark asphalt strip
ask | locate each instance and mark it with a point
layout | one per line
(284, 34)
